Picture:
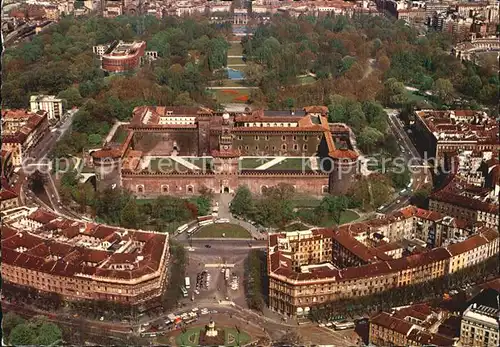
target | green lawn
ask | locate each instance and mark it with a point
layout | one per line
(232, 61)
(189, 338)
(346, 217)
(229, 230)
(230, 83)
(306, 202)
(235, 49)
(166, 165)
(200, 162)
(234, 339)
(252, 163)
(120, 135)
(293, 164)
(306, 80)
(192, 336)
(297, 226)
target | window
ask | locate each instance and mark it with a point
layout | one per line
(304, 147)
(190, 189)
(295, 138)
(256, 137)
(267, 137)
(266, 148)
(295, 147)
(283, 147)
(246, 147)
(164, 189)
(240, 137)
(140, 189)
(256, 148)
(305, 137)
(283, 138)
(325, 189)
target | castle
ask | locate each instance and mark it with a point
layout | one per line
(182, 150)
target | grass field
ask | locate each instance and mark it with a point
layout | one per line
(192, 336)
(230, 83)
(120, 135)
(217, 230)
(232, 338)
(346, 217)
(252, 163)
(306, 80)
(232, 61)
(297, 226)
(235, 49)
(225, 96)
(293, 164)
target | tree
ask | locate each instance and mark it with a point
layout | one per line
(334, 206)
(22, 335)
(183, 99)
(242, 203)
(130, 216)
(394, 93)
(291, 337)
(253, 73)
(444, 91)
(37, 182)
(10, 321)
(369, 139)
(48, 334)
(72, 97)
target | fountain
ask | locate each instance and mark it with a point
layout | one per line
(211, 336)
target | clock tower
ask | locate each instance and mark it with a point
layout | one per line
(226, 158)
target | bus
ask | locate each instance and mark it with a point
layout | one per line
(184, 292)
(182, 228)
(343, 325)
(192, 229)
(187, 283)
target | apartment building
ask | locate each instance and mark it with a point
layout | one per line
(49, 103)
(480, 326)
(22, 131)
(313, 267)
(413, 325)
(82, 261)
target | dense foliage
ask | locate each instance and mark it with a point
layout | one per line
(362, 58)
(255, 272)
(36, 331)
(120, 207)
(430, 290)
(60, 61)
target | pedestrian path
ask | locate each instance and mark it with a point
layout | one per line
(113, 130)
(185, 163)
(270, 163)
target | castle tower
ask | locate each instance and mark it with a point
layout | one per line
(342, 173)
(226, 158)
(107, 168)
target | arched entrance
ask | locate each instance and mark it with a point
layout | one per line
(226, 190)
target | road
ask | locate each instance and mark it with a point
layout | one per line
(411, 156)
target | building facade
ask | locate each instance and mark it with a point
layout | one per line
(479, 326)
(48, 103)
(182, 150)
(22, 131)
(82, 261)
(311, 268)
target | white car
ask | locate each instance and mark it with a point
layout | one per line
(197, 291)
(321, 325)
(329, 324)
